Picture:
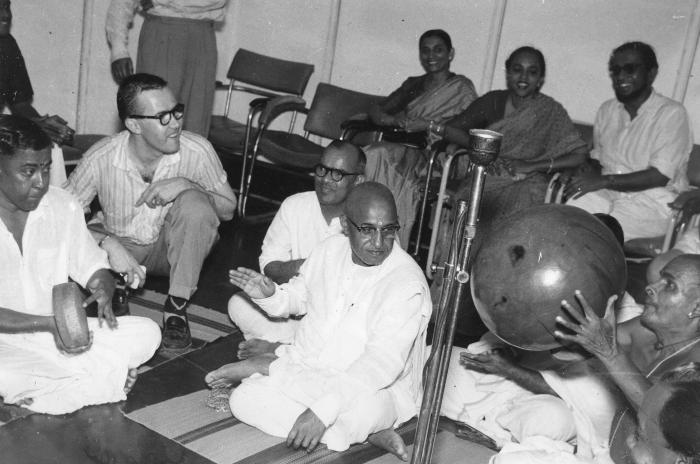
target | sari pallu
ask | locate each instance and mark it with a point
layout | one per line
(399, 167)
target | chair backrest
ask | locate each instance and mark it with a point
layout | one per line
(332, 106)
(270, 73)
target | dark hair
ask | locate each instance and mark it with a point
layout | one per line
(679, 417)
(527, 49)
(613, 225)
(131, 87)
(19, 133)
(646, 52)
(440, 34)
(345, 145)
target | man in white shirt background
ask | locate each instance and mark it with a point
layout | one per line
(642, 141)
(303, 221)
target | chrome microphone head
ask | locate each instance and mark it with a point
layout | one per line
(484, 146)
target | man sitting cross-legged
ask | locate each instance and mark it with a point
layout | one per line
(162, 191)
(356, 362)
(303, 221)
(43, 242)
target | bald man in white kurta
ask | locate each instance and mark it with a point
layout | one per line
(358, 354)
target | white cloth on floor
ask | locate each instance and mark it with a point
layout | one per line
(499, 407)
(508, 413)
(56, 245)
(363, 332)
(295, 230)
(660, 137)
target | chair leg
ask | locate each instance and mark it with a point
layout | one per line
(424, 202)
(246, 149)
(249, 177)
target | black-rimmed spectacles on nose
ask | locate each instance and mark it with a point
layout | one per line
(368, 231)
(337, 175)
(629, 68)
(177, 112)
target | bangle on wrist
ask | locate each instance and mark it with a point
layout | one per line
(102, 240)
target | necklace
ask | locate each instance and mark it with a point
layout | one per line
(658, 346)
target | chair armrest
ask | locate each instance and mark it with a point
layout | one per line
(282, 104)
(362, 123)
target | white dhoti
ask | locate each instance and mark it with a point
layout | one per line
(32, 368)
(502, 409)
(641, 214)
(254, 322)
(266, 403)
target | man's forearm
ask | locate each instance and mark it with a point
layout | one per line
(628, 377)
(282, 271)
(636, 181)
(530, 380)
(15, 322)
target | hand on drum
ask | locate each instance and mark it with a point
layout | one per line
(595, 334)
(101, 286)
(254, 284)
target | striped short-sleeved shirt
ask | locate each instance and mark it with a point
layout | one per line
(107, 171)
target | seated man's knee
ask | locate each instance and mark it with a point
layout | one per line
(238, 306)
(197, 207)
(543, 415)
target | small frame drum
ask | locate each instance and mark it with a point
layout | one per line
(70, 316)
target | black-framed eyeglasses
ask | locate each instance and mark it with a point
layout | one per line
(368, 231)
(628, 68)
(177, 112)
(337, 175)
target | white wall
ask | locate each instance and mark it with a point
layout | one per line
(376, 46)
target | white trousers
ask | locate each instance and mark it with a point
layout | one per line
(502, 409)
(31, 367)
(261, 402)
(255, 323)
(642, 214)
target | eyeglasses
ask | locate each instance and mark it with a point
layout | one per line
(629, 68)
(368, 231)
(336, 174)
(164, 117)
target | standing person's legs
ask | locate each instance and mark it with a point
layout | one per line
(183, 52)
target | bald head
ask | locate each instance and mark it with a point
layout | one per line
(370, 222)
(688, 264)
(367, 195)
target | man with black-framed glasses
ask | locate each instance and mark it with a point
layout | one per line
(163, 192)
(303, 221)
(642, 142)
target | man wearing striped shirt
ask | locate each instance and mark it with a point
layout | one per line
(162, 191)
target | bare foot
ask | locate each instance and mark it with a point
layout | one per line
(229, 374)
(130, 380)
(391, 441)
(254, 347)
(25, 402)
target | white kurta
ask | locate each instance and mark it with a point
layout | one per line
(659, 137)
(56, 245)
(296, 229)
(358, 354)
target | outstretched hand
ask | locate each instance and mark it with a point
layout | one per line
(306, 432)
(596, 335)
(254, 284)
(496, 362)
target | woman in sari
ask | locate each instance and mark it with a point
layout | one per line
(432, 98)
(538, 138)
